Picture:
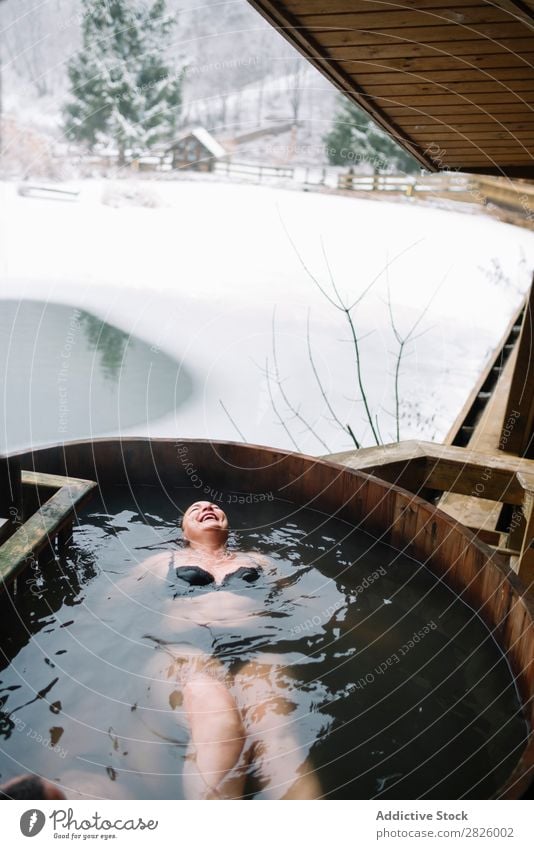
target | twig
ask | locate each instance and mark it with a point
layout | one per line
(346, 310)
(233, 422)
(403, 340)
(347, 429)
(357, 444)
(301, 260)
(279, 417)
(385, 269)
(288, 403)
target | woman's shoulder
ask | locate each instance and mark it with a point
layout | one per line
(160, 561)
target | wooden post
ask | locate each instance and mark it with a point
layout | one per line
(526, 559)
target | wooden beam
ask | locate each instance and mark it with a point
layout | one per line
(518, 422)
(526, 559)
(494, 361)
(52, 517)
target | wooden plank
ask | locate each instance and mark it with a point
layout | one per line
(506, 111)
(327, 7)
(416, 49)
(483, 100)
(485, 439)
(465, 479)
(31, 478)
(495, 146)
(493, 360)
(500, 149)
(457, 161)
(492, 538)
(523, 89)
(480, 123)
(386, 21)
(514, 171)
(492, 63)
(37, 531)
(518, 420)
(380, 76)
(451, 35)
(447, 135)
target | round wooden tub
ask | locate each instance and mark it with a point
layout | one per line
(388, 512)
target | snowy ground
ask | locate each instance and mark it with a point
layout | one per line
(200, 274)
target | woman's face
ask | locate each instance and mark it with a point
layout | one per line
(205, 521)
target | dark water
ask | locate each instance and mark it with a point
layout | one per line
(67, 374)
(398, 689)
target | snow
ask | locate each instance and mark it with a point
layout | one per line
(201, 272)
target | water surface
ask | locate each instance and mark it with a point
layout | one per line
(68, 374)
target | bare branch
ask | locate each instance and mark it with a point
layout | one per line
(342, 303)
(321, 387)
(305, 267)
(357, 444)
(288, 403)
(275, 408)
(380, 273)
(233, 422)
(359, 375)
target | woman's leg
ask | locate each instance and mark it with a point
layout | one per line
(270, 722)
(194, 686)
(217, 740)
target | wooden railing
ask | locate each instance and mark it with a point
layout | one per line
(50, 522)
(252, 170)
(515, 196)
(427, 468)
(405, 184)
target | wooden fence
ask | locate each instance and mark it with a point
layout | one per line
(253, 171)
(516, 197)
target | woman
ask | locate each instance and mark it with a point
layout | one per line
(233, 719)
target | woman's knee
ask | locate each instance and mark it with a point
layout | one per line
(211, 708)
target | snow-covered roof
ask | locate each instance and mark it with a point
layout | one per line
(206, 140)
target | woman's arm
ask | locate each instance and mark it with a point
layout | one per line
(157, 566)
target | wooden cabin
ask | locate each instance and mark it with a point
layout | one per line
(196, 150)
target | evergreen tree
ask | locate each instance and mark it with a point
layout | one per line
(122, 87)
(355, 138)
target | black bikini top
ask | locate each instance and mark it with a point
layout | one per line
(197, 577)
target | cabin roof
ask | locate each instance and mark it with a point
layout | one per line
(206, 140)
(452, 83)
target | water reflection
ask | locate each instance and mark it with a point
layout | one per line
(108, 341)
(70, 375)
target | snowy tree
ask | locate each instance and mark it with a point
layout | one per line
(355, 136)
(122, 87)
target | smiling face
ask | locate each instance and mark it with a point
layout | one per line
(205, 523)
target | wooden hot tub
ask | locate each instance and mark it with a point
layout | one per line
(388, 512)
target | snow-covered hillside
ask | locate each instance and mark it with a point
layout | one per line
(200, 272)
(239, 73)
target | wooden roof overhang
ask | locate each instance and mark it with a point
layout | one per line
(452, 83)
